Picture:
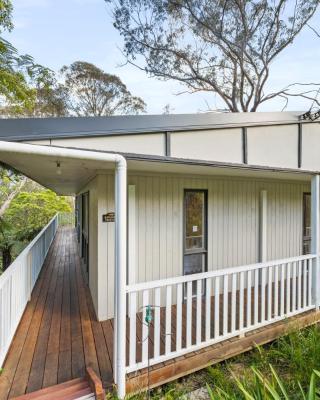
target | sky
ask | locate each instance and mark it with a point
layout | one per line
(59, 32)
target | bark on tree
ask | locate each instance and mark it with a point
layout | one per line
(11, 196)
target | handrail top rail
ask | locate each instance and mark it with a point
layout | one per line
(3, 276)
(212, 274)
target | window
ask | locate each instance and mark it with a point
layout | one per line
(306, 223)
(195, 232)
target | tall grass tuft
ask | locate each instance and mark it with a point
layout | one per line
(262, 387)
(295, 357)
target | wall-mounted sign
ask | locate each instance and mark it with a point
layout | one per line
(108, 217)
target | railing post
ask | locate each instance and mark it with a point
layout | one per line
(121, 275)
(315, 236)
(29, 268)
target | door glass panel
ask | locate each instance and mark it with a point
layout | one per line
(194, 264)
(194, 220)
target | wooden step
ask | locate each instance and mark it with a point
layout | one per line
(89, 387)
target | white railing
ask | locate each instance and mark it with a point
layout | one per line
(195, 311)
(66, 219)
(17, 282)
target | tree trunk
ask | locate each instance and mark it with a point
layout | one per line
(6, 258)
(11, 196)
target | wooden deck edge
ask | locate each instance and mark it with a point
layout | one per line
(217, 353)
(95, 384)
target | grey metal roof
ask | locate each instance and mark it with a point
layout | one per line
(49, 128)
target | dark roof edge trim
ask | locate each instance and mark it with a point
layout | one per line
(153, 130)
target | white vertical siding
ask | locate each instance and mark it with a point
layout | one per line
(233, 224)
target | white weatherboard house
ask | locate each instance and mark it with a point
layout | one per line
(210, 222)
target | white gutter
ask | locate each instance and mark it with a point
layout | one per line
(121, 237)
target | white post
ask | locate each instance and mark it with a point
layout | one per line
(263, 227)
(115, 288)
(121, 274)
(132, 234)
(315, 236)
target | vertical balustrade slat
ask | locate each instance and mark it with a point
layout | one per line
(270, 271)
(225, 304)
(288, 283)
(189, 314)
(208, 309)
(263, 294)
(294, 286)
(133, 329)
(145, 339)
(241, 303)
(157, 304)
(299, 286)
(179, 317)
(276, 291)
(233, 302)
(310, 264)
(168, 319)
(282, 290)
(248, 299)
(305, 274)
(199, 309)
(256, 296)
(217, 307)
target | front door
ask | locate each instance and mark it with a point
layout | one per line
(195, 232)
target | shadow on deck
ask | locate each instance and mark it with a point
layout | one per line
(59, 336)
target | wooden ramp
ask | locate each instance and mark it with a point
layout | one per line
(86, 388)
(59, 338)
(72, 390)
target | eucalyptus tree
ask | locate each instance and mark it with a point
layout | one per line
(224, 47)
(94, 92)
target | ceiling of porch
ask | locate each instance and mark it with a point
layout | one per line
(75, 174)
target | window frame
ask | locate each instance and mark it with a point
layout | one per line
(203, 250)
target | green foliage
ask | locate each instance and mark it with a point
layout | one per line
(49, 99)
(5, 15)
(17, 72)
(29, 212)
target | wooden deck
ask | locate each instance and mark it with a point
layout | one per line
(59, 336)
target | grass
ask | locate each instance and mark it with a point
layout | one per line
(285, 369)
